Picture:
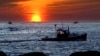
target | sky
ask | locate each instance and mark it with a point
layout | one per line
(50, 10)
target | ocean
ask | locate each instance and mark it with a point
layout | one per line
(36, 31)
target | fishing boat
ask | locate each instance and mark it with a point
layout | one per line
(75, 22)
(11, 27)
(66, 35)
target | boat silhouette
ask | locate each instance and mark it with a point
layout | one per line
(75, 22)
(11, 27)
(66, 35)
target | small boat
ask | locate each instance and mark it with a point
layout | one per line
(75, 22)
(65, 35)
(11, 28)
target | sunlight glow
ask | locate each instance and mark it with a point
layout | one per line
(36, 18)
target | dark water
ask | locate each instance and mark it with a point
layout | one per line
(38, 31)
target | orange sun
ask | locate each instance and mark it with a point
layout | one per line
(36, 18)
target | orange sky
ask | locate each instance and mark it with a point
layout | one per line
(50, 10)
(38, 7)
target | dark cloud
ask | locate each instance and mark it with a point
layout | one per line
(12, 17)
(75, 10)
(68, 2)
(9, 3)
(75, 4)
(9, 10)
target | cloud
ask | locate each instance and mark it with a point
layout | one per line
(9, 10)
(75, 10)
(9, 3)
(73, 6)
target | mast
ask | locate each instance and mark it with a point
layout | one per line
(55, 29)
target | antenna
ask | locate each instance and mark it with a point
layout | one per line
(68, 30)
(55, 28)
(62, 24)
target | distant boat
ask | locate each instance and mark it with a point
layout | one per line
(11, 28)
(9, 22)
(65, 35)
(75, 22)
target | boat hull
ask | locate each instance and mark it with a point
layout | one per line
(75, 38)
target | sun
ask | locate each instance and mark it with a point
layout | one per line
(36, 18)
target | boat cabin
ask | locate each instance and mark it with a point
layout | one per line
(62, 34)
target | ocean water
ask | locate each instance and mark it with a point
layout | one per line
(36, 31)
